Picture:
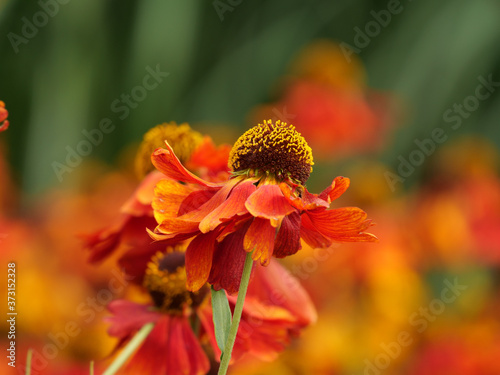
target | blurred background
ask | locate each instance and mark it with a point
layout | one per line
(402, 97)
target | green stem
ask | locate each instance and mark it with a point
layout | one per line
(91, 367)
(129, 349)
(238, 310)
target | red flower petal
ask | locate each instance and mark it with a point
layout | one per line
(170, 349)
(268, 202)
(168, 164)
(307, 201)
(342, 224)
(128, 317)
(213, 203)
(199, 256)
(288, 238)
(260, 238)
(233, 205)
(336, 189)
(196, 199)
(228, 262)
(276, 286)
(310, 234)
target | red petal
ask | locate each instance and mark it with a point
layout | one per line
(260, 238)
(276, 286)
(128, 317)
(336, 189)
(199, 256)
(288, 238)
(228, 262)
(185, 356)
(206, 208)
(167, 163)
(196, 199)
(311, 235)
(342, 224)
(268, 202)
(308, 201)
(170, 349)
(233, 205)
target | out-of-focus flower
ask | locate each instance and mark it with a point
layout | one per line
(263, 207)
(458, 211)
(327, 100)
(4, 124)
(183, 319)
(127, 234)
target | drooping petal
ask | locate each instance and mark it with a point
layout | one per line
(288, 237)
(346, 224)
(168, 164)
(336, 189)
(233, 205)
(185, 356)
(268, 202)
(260, 238)
(168, 198)
(228, 262)
(311, 235)
(199, 255)
(170, 349)
(276, 286)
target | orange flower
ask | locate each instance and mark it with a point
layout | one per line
(173, 347)
(3, 117)
(263, 207)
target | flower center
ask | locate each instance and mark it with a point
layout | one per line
(165, 279)
(273, 149)
(182, 138)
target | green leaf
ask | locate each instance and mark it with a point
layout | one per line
(222, 317)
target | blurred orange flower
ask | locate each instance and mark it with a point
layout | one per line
(327, 100)
(3, 117)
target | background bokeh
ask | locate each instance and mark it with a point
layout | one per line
(364, 113)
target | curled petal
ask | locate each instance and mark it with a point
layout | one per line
(268, 202)
(176, 226)
(288, 238)
(260, 239)
(336, 189)
(307, 201)
(345, 224)
(167, 163)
